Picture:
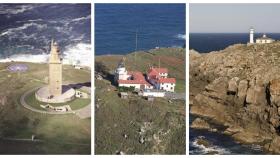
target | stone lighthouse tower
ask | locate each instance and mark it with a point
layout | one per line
(252, 35)
(55, 71)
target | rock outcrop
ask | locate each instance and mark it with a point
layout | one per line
(200, 124)
(239, 88)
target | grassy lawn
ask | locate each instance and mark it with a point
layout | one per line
(75, 104)
(62, 134)
(180, 86)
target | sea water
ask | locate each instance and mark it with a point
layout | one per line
(155, 25)
(207, 42)
(27, 29)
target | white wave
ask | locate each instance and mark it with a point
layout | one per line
(39, 58)
(78, 54)
(181, 36)
(23, 27)
(209, 149)
(256, 147)
(81, 18)
(16, 9)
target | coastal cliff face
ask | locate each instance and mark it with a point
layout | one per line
(239, 88)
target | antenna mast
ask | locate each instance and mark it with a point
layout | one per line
(136, 45)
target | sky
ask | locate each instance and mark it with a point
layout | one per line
(234, 18)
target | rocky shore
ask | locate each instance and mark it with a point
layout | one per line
(239, 88)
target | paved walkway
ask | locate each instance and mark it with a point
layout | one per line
(82, 113)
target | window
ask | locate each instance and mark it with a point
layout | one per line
(171, 88)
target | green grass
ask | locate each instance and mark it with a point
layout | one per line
(180, 86)
(57, 131)
(116, 116)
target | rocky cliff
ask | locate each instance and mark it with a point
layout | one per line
(239, 88)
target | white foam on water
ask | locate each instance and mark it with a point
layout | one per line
(181, 36)
(78, 54)
(16, 30)
(256, 147)
(204, 150)
(16, 9)
(39, 58)
(81, 18)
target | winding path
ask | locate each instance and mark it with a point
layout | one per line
(84, 112)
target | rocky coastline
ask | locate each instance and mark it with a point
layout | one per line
(238, 88)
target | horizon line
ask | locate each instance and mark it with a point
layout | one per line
(231, 32)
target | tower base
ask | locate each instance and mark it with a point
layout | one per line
(43, 95)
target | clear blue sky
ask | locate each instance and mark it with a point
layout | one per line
(234, 18)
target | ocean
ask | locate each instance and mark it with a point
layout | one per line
(207, 42)
(221, 144)
(26, 31)
(157, 25)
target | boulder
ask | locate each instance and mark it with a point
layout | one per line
(242, 89)
(218, 88)
(274, 90)
(200, 124)
(233, 86)
(250, 96)
(275, 145)
(256, 95)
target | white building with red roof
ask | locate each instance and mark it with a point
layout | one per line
(158, 77)
(134, 79)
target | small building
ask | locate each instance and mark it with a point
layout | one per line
(158, 77)
(264, 39)
(136, 79)
(80, 94)
(124, 95)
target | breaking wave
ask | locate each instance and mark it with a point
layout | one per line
(23, 27)
(5, 9)
(213, 149)
(81, 18)
(78, 54)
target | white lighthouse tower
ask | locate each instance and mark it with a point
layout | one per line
(121, 73)
(251, 35)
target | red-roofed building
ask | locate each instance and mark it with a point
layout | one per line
(154, 73)
(136, 80)
(158, 78)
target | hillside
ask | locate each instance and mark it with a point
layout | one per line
(238, 87)
(135, 125)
